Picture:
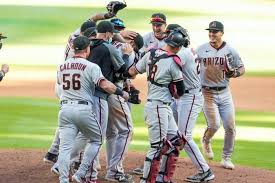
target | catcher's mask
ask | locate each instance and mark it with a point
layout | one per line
(177, 36)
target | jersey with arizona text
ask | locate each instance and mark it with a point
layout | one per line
(191, 68)
(78, 77)
(165, 72)
(69, 51)
(150, 41)
(213, 64)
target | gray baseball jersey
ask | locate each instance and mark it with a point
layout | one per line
(169, 72)
(69, 51)
(190, 68)
(150, 41)
(71, 76)
(212, 62)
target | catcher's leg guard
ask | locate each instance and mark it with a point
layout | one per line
(170, 158)
(152, 164)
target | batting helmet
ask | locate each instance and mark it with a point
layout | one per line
(177, 38)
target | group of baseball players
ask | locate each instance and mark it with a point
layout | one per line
(93, 84)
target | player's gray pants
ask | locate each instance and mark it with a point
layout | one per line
(73, 118)
(161, 125)
(118, 135)
(54, 149)
(187, 109)
(100, 108)
(218, 105)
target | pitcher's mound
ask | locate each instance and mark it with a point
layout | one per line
(26, 166)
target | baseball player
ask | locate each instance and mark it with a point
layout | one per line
(107, 57)
(155, 39)
(4, 67)
(52, 154)
(219, 62)
(78, 78)
(188, 107)
(120, 127)
(163, 69)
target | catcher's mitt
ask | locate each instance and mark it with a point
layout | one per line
(134, 96)
(114, 6)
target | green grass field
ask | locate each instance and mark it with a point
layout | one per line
(31, 123)
(53, 25)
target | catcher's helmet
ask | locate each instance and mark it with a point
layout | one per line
(178, 37)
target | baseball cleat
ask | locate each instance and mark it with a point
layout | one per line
(138, 171)
(207, 149)
(201, 177)
(227, 163)
(55, 171)
(125, 178)
(50, 158)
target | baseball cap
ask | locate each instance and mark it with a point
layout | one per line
(117, 22)
(158, 18)
(139, 41)
(105, 26)
(81, 43)
(215, 25)
(90, 32)
(86, 25)
(2, 37)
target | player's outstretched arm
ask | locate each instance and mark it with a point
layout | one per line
(110, 88)
(101, 16)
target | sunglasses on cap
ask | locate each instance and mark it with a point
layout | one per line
(118, 23)
(157, 19)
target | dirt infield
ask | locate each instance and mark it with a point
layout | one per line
(26, 166)
(249, 93)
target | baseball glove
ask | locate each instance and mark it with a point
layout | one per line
(230, 62)
(114, 6)
(134, 96)
(230, 65)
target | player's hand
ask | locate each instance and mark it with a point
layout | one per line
(128, 34)
(5, 68)
(127, 49)
(125, 95)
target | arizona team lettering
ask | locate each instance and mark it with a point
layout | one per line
(73, 66)
(213, 61)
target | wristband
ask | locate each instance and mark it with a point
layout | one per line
(118, 92)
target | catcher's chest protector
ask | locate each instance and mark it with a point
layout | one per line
(157, 55)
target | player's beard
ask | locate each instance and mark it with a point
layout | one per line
(159, 35)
